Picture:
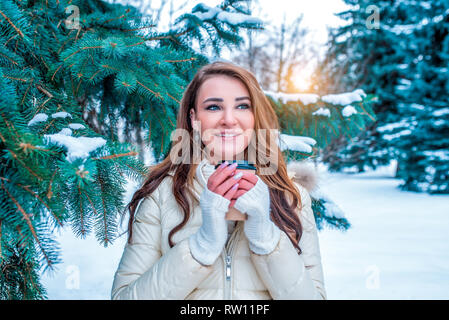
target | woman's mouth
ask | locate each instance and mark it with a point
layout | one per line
(227, 136)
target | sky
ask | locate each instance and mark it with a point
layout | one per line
(318, 15)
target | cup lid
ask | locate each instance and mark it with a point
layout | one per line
(241, 164)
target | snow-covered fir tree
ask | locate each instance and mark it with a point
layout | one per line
(363, 53)
(422, 134)
(396, 50)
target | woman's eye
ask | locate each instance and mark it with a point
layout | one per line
(211, 107)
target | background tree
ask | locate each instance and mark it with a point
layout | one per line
(363, 55)
(403, 61)
(422, 134)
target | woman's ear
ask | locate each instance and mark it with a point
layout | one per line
(192, 118)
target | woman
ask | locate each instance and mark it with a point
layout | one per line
(179, 244)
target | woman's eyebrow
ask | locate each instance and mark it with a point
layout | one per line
(221, 100)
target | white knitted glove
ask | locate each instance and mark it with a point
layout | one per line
(208, 242)
(263, 235)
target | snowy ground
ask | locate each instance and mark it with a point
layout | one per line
(397, 248)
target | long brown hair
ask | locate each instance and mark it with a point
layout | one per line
(282, 189)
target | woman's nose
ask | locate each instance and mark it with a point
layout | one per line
(229, 117)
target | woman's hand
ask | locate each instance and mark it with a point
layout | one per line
(263, 235)
(208, 242)
(224, 181)
(247, 182)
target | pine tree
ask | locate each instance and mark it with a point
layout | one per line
(403, 61)
(423, 134)
(72, 73)
(365, 53)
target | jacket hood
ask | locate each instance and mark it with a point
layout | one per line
(302, 172)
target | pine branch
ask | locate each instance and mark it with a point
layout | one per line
(113, 156)
(27, 188)
(12, 24)
(27, 219)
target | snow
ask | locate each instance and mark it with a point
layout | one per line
(77, 147)
(405, 28)
(395, 125)
(61, 114)
(237, 18)
(405, 82)
(399, 134)
(76, 126)
(417, 106)
(441, 112)
(442, 155)
(296, 143)
(304, 98)
(397, 246)
(409, 28)
(348, 111)
(345, 98)
(332, 209)
(40, 117)
(234, 18)
(65, 132)
(322, 112)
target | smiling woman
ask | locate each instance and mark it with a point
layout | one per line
(225, 118)
(179, 244)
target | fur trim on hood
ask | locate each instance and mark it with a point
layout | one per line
(304, 173)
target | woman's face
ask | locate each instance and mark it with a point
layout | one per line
(225, 114)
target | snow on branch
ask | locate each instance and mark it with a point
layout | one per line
(76, 126)
(309, 98)
(77, 147)
(305, 98)
(345, 98)
(322, 112)
(40, 117)
(204, 12)
(61, 114)
(296, 143)
(332, 209)
(348, 111)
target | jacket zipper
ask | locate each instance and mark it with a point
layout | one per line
(228, 278)
(228, 267)
(228, 263)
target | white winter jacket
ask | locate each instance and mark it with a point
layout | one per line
(150, 269)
